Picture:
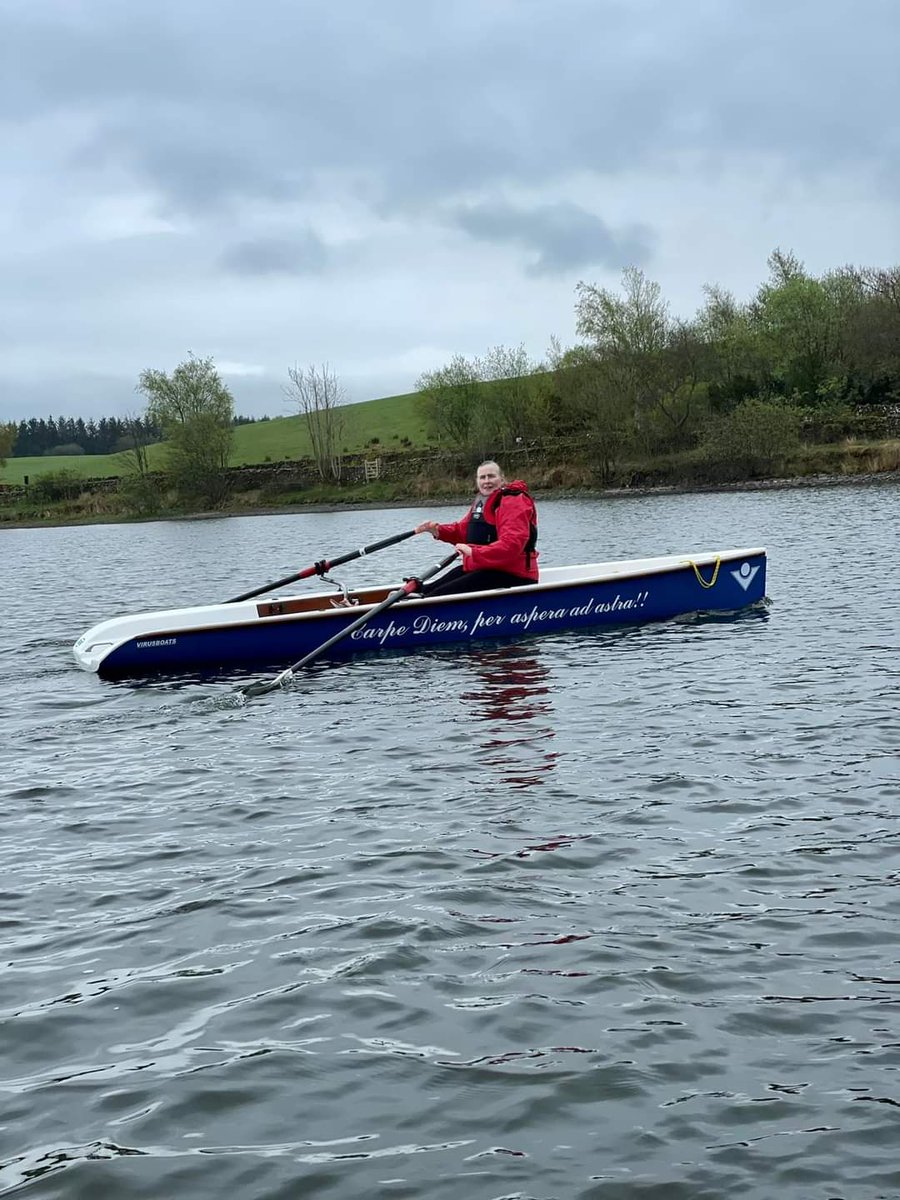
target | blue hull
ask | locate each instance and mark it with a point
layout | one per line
(260, 642)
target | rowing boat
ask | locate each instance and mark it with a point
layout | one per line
(254, 633)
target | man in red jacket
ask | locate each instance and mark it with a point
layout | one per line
(495, 539)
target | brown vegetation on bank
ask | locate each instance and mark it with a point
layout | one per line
(414, 480)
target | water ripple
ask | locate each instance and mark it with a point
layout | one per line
(606, 916)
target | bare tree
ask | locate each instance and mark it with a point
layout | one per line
(317, 394)
(132, 445)
(142, 494)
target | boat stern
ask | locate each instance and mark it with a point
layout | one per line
(94, 646)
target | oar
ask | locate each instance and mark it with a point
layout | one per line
(411, 585)
(320, 568)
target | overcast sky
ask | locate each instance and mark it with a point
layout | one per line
(380, 184)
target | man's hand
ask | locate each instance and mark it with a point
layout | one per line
(428, 527)
(463, 550)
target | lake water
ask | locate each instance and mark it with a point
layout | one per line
(608, 915)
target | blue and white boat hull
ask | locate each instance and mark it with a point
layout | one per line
(276, 632)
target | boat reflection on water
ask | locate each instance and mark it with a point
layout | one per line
(513, 696)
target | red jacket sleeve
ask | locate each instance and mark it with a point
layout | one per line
(513, 519)
(454, 531)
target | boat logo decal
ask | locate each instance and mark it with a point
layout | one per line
(156, 642)
(745, 575)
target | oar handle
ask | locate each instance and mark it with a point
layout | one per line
(361, 553)
(324, 565)
(270, 587)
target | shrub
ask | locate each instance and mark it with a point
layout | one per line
(755, 438)
(829, 421)
(141, 495)
(56, 486)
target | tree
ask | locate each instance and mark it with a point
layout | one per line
(642, 355)
(735, 366)
(453, 401)
(565, 414)
(784, 267)
(514, 404)
(872, 337)
(8, 435)
(318, 395)
(138, 489)
(194, 411)
(799, 320)
(628, 326)
(684, 367)
(605, 415)
(627, 334)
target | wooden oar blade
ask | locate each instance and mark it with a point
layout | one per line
(260, 688)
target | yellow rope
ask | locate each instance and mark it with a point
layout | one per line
(715, 574)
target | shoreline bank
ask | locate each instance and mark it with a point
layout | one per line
(868, 479)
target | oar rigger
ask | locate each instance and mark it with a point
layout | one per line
(410, 585)
(323, 565)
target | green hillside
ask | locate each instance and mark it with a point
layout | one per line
(389, 419)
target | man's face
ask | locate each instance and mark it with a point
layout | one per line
(488, 479)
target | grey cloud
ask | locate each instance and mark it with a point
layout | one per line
(193, 164)
(277, 256)
(217, 100)
(561, 237)
(238, 124)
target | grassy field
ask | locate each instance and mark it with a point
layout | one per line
(390, 419)
(88, 466)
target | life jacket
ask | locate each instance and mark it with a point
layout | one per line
(482, 532)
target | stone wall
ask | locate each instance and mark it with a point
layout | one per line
(395, 464)
(296, 474)
(885, 419)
